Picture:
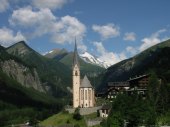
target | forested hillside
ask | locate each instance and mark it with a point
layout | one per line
(154, 59)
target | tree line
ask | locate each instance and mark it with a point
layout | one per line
(133, 110)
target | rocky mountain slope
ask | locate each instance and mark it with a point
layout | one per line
(53, 75)
(22, 95)
(25, 76)
(156, 58)
(17, 70)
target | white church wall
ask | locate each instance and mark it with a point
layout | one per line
(76, 86)
(86, 97)
(81, 97)
(86, 100)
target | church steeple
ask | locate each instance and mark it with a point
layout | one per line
(83, 94)
(76, 78)
(75, 57)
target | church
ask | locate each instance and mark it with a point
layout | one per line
(83, 92)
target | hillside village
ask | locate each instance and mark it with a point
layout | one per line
(83, 63)
(96, 110)
(137, 86)
(95, 106)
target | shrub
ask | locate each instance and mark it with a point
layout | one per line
(77, 115)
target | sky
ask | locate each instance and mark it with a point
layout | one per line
(112, 30)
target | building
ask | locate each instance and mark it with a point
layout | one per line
(139, 81)
(137, 84)
(83, 92)
(116, 87)
(104, 111)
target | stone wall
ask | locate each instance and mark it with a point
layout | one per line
(93, 122)
(83, 111)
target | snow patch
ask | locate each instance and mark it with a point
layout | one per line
(87, 57)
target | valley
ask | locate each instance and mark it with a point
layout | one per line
(41, 85)
(84, 63)
(33, 84)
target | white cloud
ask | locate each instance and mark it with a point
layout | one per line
(82, 47)
(131, 50)
(109, 57)
(99, 46)
(147, 42)
(8, 37)
(4, 5)
(107, 31)
(62, 30)
(130, 36)
(51, 4)
(26, 17)
(152, 40)
(67, 29)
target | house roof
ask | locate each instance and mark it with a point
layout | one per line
(85, 83)
(138, 77)
(118, 84)
(106, 106)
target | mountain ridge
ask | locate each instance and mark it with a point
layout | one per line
(87, 57)
(20, 101)
(152, 59)
(88, 68)
(51, 72)
(56, 53)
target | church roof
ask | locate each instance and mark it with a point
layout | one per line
(75, 57)
(85, 83)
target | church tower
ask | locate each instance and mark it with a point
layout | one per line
(76, 78)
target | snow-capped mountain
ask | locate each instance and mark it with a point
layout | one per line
(87, 57)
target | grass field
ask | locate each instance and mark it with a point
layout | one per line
(62, 118)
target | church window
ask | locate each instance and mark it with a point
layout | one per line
(76, 73)
(81, 94)
(89, 94)
(85, 94)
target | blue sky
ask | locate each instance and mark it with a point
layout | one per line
(111, 29)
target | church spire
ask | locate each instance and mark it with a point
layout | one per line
(75, 57)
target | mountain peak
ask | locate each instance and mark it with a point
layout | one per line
(20, 48)
(87, 57)
(56, 53)
(21, 42)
